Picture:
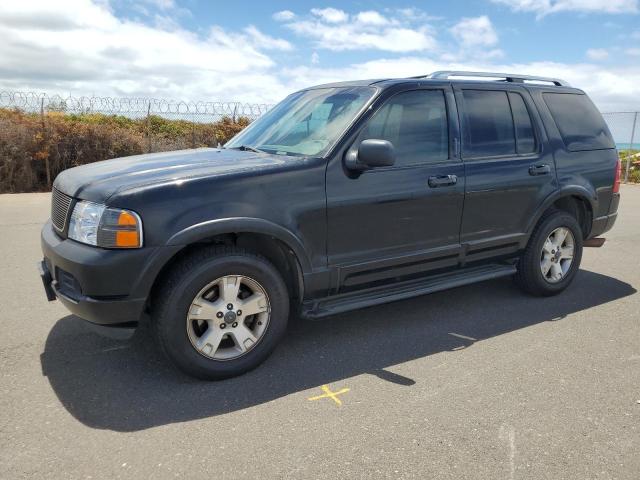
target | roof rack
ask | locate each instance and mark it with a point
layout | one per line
(504, 77)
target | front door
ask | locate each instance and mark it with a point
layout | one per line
(404, 219)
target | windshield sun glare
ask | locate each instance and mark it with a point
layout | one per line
(305, 123)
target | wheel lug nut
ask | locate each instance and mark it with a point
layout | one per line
(235, 324)
(223, 325)
(239, 312)
(219, 315)
(229, 306)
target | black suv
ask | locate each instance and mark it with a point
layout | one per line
(342, 196)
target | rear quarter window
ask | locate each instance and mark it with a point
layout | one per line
(579, 121)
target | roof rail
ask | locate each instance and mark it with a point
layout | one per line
(504, 77)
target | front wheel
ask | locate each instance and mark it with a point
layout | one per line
(552, 257)
(221, 312)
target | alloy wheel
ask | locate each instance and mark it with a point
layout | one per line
(228, 317)
(557, 255)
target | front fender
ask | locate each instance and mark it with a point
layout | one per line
(210, 228)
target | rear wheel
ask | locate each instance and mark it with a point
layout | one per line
(221, 312)
(552, 257)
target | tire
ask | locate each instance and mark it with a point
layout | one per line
(530, 276)
(181, 296)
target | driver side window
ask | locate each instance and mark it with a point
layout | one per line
(415, 123)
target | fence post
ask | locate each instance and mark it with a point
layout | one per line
(149, 127)
(193, 133)
(44, 143)
(235, 110)
(633, 134)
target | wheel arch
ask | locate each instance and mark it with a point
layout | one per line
(575, 200)
(278, 245)
(243, 225)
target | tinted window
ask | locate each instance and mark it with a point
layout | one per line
(525, 140)
(416, 123)
(488, 124)
(579, 121)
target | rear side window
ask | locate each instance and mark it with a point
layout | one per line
(525, 140)
(579, 121)
(416, 123)
(489, 126)
(496, 123)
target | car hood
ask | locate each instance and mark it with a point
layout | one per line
(99, 181)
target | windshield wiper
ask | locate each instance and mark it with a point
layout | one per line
(247, 148)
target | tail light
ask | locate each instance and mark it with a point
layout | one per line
(616, 180)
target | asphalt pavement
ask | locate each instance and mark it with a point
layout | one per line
(480, 382)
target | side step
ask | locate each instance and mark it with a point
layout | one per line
(411, 288)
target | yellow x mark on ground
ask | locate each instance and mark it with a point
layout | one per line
(329, 394)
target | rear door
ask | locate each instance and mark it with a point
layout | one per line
(390, 222)
(509, 172)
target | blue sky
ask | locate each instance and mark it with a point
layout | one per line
(260, 51)
(524, 36)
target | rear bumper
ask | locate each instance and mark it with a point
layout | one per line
(95, 284)
(605, 223)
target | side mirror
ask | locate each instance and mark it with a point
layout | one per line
(371, 153)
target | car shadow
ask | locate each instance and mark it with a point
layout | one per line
(128, 386)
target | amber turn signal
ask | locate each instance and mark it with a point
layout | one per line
(127, 235)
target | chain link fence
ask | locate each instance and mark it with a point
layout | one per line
(625, 128)
(132, 107)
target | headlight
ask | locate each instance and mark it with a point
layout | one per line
(95, 224)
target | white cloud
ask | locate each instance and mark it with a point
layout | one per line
(364, 30)
(598, 54)
(476, 38)
(613, 89)
(162, 11)
(162, 4)
(284, 15)
(331, 15)
(633, 51)
(84, 48)
(315, 58)
(266, 42)
(475, 32)
(371, 17)
(546, 7)
(350, 37)
(417, 15)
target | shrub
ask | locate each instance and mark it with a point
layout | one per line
(628, 156)
(34, 148)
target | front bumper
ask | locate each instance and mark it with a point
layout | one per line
(98, 285)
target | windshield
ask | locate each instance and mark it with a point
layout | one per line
(304, 123)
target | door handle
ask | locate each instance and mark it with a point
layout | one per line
(442, 180)
(539, 170)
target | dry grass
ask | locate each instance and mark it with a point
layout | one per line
(34, 148)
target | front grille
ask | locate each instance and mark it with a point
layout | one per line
(60, 204)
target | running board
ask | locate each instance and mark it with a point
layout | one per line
(411, 288)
